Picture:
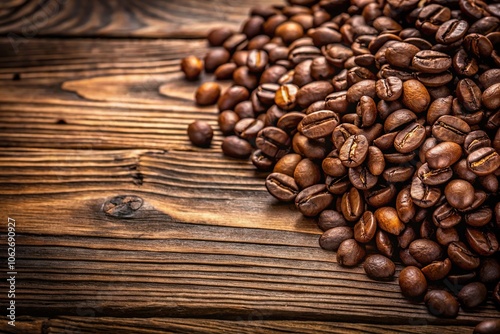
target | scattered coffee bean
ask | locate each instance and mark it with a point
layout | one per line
(441, 303)
(200, 133)
(379, 267)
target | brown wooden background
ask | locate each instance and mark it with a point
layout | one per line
(82, 122)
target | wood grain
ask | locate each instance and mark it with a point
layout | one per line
(25, 19)
(251, 325)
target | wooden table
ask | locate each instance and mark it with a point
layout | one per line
(122, 226)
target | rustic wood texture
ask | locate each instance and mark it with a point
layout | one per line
(24, 19)
(118, 215)
(250, 325)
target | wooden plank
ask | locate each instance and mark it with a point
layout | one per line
(22, 20)
(253, 324)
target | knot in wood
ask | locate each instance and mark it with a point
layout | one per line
(122, 206)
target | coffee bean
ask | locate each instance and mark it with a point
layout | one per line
(428, 61)
(472, 295)
(191, 66)
(415, 96)
(476, 140)
(282, 187)
(483, 161)
(235, 42)
(434, 177)
(389, 89)
(469, 94)
(404, 205)
(354, 151)
(261, 161)
(478, 45)
(361, 178)
(444, 155)
(231, 97)
(400, 54)
(491, 97)
(479, 217)
(236, 147)
(227, 121)
(200, 133)
(332, 165)
(412, 282)
(217, 36)
(312, 200)
(248, 128)
(290, 121)
(425, 251)
(273, 142)
(286, 96)
(287, 164)
(357, 74)
(450, 128)
(451, 31)
(462, 257)
(329, 219)
(216, 57)
(487, 327)
(483, 242)
(350, 253)
(423, 195)
(360, 89)
(465, 65)
(365, 228)
(289, 31)
(352, 205)
(446, 216)
(375, 160)
(410, 138)
(441, 303)
(207, 94)
(318, 124)
(489, 271)
(307, 173)
(388, 220)
(437, 270)
(332, 238)
(399, 119)
(379, 267)
(313, 92)
(310, 148)
(459, 194)
(398, 174)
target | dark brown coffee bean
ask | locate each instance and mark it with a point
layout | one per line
(225, 71)
(444, 155)
(365, 228)
(384, 243)
(388, 220)
(289, 31)
(465, 65)
(407, 237)
(469, 94)
(450, 128)
(379, 267)
(282, 187)
(380, 195)
(404, 206)
(336, 54)
(243, 77)
(478, 45)
(257, 61)
(400, 54)
(372, 132)
(472, 295)
(375, 161)
(273, 142)
(451, 31)
(286, 96)
(428, 61)
(423, 195)
(272, 74)
(483, 242)
(261, 161)
(302, 53)
(433, 177)
(318, 124)
(352, 205)
(399, 158)
(415, 96)
(313, 92)
(490, 77)
(389, 89)
(462, 257)
(357, 74)
(491, 97)
(398, 174)
(236, 147)
(366, 109)
(483, 161)
(398, 120)
(332, 238)
(231, 97)
(350, 253)
(441, 303)
(445, 216)
(312, 200)
(207, 94)
(252, 26)
(476, 140)
(487, 327)
(361, 178)
(359, 89)
(310, 148)
(306, 173)
(337, 102)
(217, 36)
(329, 219)
(321, 69)
(287, 164)
(290, 121)
(437, 270)
(463, 171)
(489, 271)
(240, 57)
(244, 109)
(407, 259)
(191, 66)
(235, 42)
(216, 57)
(200, 133)
(332, 165)
(227, 120)
(325, 35)
(425, 251)
(410, 138)
(459, 194)
(337, 185)
(479, 217)
(354, 151)
(412, 282)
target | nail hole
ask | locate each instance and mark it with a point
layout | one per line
(61, 121)
(16, 77)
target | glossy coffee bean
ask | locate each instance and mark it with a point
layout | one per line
(200, 133)
(216, 57)
(287, 164)
(388, 220)
(472, 295)
(459, 194)
(329, 219)
(350, 253)
(425, 251)
(365, 228)
(312, 200)
(445, 216)
(261, 161)
(352, 205)
(437, 270)
(231, 97)
(483, 242)
(488, 327)
(412, 282)
(451, 31)
(476, 140)
(423, 195)
(192, 67)
(450, 128)
(489, 271)
(354, 151)
(306, 173)
(366, 109)
(428, 61)
(286, 96)
(444, 155)
(410, 138)
(469, 94)
(404, 205)
(389, 89)
(415, 96)
(433, 177)
(318, 124)
(217, 36)
(332, 238)
(375, 161)
(483, 161)
(400, 54)
(282, 187)
(273, 142)
(312, 92)
(379, 267)
(441, 303)
(236, 147)
(462, 257)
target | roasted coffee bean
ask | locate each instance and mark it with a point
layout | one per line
(329, 219)
(352, 205)
(398, 120)
(361, 178)
(337, 185)
(350, 253)
(487, 327)
(444, 155)
(217, 36)
(310, 148)
(491, 97)
(290, 121)
(412, 282)
(289, 31)
(303, 53)
(273, 142)
(469, 94)
(375, 161)
(318, 124)
(354, 151)
(384, 243)
(360, 89)
(434, 177)
(273, 115)
(231, 97)
(479, 217)
(336, 54)
(437, 270)
(483, 161)
(400, 54)
(380, 195)
(321, 69)
(472, 295)
(415, 96)
(248, 128)
(404, 205)
(313, 92)
(476, 140)
(479, 45)
(407, 237)
(225, 71)
(423, 195)
(365, 228)
(425, 251)
(332, 238)
(243, 77)
(366, 109)
(462, 257)
(337, 102)
(235, 42)
(332, 165)
(389, 89)
(450, 128)
(312, 200)
(399, 158)
(191, 66)
(236, 147)
(282, 187)
(200, 133)
(357, 74)
(451, 31)
(465, 65)
(407, 259)
(272, 74)
(441, 303)
(410, 138)
(398, 174)
(446, 216)
(428, 61)
(459, 194)
(287, 164)
(257, 61)
(227, 121)
(286, 96)
(244, 109)
(489, 271)
(490, 77)
(306, 173)
(261, 161)
(483, 242)
(388, 220)
(379, 267)
(216, 57)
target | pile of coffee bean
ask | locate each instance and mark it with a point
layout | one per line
(382, 119)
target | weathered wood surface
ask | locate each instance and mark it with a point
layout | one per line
(250, 325)
(24, 19)
(82, 122)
